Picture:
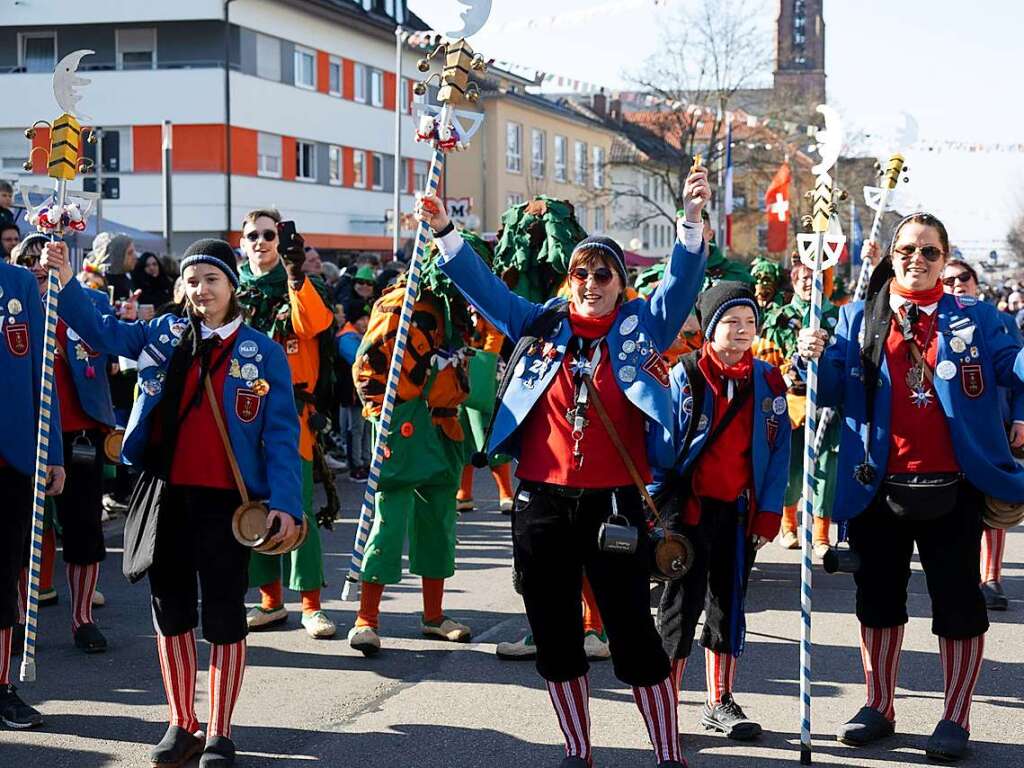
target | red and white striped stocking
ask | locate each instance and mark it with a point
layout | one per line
(571, 701)
(6, 641)
(961, 664)
(227, 668)
(678, 668)
(720, 671)
(880, 655)
(992, 545)
(657, 704)
(178, 665)
(82, 580)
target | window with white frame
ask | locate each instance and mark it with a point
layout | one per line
(599, 219)
(598, 159)
(581, 215)
(376, 88)
(37, 51)
(268, 154)
(334, 76)
(268, 57)
(645, 237)
(334, 172)
(377, 162)
(538, 153)
(579, 169)
(305, 68)
(136, 48)
(358, 168)
(420, 168)
(657, 236)
(514, 198)
(514, 147)
(561, 158)
(305, 160)
(359, 74)
(405, 105)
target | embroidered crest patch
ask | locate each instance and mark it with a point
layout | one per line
(655, 365)
(247, 405)
(972, 380)
(17, 338)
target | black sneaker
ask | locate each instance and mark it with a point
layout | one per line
(867, 726)
(948, 742)
(176, 747)
(89, 639)
(995, 598)
(219, 753)
(15, 713)
(673, 764)
(572, 761)
(729, 718)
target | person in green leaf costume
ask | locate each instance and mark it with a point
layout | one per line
(767, 274)
(718, 266)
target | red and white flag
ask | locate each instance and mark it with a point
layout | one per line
(776, 203)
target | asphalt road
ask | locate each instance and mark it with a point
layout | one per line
(425, 704)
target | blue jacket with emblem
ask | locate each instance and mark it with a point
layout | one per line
(644, 328)
(93, 393)
(769, 445)
(975, 424)
(266, 446)
(21, 364)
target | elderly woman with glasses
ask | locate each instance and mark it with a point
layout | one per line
(915, 371)
(572, 476)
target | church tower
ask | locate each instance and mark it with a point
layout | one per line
(800, 53)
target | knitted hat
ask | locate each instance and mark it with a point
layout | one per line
(355, 309)
(214, 252)
(721, 297)
(606, 246)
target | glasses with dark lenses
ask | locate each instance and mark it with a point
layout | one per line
(269, 235)
(601, 275)
(930, 252)
(963, 277)
(363, 282)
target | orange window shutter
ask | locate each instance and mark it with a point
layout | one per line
(323, 74)
(348, 79)
(288, 157)
(146, 148)
(348, 171)
(389, 91)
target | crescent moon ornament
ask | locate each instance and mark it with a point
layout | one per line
(65, 81)
(906, 135)
(830, 140)
(473, 18)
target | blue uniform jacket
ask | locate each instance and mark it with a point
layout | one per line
(969, 400)
(639, 334)
(264, 430)
(770, 442)
(93, 393)
(21, 365)
(348, 345)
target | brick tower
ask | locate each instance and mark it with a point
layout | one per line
(800, 53)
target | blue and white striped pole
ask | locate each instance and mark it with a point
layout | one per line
(28, 658)
(412, 288)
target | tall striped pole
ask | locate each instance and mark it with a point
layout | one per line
(412, 289)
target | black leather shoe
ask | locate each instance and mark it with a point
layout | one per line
(15, 713)
(729, 718)
(219, 753)
(867, 726)
(672, 764)
(574, 762)
(948, 742)
(176, 747)
(995, 598)
(89, 639)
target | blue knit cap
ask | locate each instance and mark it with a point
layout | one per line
(608, 247)
(721, 297)
(214, 252)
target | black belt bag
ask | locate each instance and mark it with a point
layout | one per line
(926, 496)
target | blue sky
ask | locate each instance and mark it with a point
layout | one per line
(954, 66)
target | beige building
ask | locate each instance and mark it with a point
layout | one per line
(529, 145)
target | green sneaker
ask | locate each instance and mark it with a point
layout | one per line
(521, 650)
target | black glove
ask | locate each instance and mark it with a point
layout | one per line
(294, 258)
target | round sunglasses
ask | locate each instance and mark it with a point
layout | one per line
(963, 277)
(601, 275)
(930, 252)
(269, 235)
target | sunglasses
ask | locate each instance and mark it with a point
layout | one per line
(269, 235)
(930, 252)
(601, 275)
(363, 282)
(963, 277)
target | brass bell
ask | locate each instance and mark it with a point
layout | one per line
(30, 133)
(473, 96)
(843, 195)
(806, 221)
(478, 64)
(419, 89)
(27, 165)
(423, 65)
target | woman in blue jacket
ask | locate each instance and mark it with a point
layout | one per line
(572, 479)
(915, 373)
(172, 433)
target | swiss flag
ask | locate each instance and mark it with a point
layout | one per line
(776, 203)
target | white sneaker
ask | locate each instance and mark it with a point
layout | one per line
(505, 505)
(258, 618)
(334, 463)
(521, 650)
(596, 646)
(98, 600)
(447, 629)
(364, 639)
(318, 625)
(464, 505)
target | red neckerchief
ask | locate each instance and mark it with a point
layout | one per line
(716, 370)
(590, 327)
(922, 298)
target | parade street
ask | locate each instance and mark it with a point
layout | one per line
(424, 704)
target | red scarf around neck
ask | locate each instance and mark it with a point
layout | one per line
(737, 372)
(591, 327)
(922, 298)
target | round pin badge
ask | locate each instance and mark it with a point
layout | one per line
(623, 356)
(72, 336)
(766, 405)
(629, 325)
(250, 371)
(702, 423)
(957, 344)
(628, 346)
(177, 329)
(779, 405)
(627, 373)
(14, 306)
(164, 338)
(151, 387)
(688, 406)
(248, 349)
(946, 370)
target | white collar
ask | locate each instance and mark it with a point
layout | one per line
(898, 302)
(223, 331)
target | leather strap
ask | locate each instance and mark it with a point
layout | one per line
(227, 443)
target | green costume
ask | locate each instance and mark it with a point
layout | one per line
(778, 344)
(721, 268)
(767, 275)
